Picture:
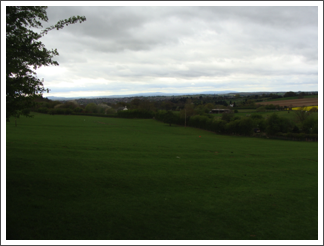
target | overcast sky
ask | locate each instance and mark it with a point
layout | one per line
(132, 49)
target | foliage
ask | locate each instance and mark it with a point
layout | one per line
(256, 116)
(310, 125)
(313, 110)
(219, 126)
(290, 94)
(25, 53)
(110, 111)
(142, 105)
(261, 124)
(295, 129)
(277, 124)
(261, 109)
(242, 126)
(170, 118)
(199, 121)
(301, 114)
(43, 110)
(227, 116)
(135, 113)
(189, 110)
(271, 107)
(92, 108)
(167, 105)
(78, 110)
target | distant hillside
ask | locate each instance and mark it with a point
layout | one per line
(157, 94)
(149, 94)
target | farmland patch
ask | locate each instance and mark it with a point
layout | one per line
(293, 102)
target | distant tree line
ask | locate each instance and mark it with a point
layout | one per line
(253, 125)
(193, 112)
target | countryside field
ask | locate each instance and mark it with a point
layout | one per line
(89, 178)
(293, 102)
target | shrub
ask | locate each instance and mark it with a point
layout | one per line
(313, 109)
(232, 127)
(290, 94)
(43, 110)
(243, 126)
(135, 113)
(169, 118)
(78, 110)
(68, 111)
(246, 126)
(310, 125)
(59, 111)
(110, 111)
(219, 126)
(199, 121)
(302, 114)
(261, 124)
(271, 107)
(227, 116)
(26, 111)
(295, 129)
(256, 116)
(92, 108)
(261, 109)
(59, 105)
(70, 104)
(277, 124)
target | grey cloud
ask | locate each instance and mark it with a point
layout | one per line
(114, 29)
(149, 44)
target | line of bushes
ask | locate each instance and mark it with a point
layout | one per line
(67, 111)
(274, 126)
(135, 113)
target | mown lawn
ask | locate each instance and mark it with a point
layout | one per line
(75, 177)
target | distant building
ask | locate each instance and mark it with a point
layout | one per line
(122, 108)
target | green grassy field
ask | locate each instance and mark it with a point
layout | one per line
(290, 98)
(75, 177)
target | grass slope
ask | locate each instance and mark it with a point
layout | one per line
(74, 177)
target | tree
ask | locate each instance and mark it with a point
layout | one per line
(227, 116)
(310, 125)
(92, 108)
(169, 118)
(187, 112)
(25, 53)
(301, 114)
(301, 95)
(290, 94)
(261, 109)
(277, 124)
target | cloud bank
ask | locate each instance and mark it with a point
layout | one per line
(124, 50)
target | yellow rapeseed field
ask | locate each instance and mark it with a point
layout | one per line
(305, 108)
